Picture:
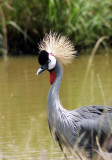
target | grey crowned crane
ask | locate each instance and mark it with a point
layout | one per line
(81, 128)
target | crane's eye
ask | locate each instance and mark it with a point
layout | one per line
(51, 62)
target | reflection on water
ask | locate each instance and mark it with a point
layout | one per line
(24, 132)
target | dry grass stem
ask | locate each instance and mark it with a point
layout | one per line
(4, 32)
(90, 64)
(101, 89)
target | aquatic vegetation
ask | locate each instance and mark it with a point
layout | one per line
(84, 21)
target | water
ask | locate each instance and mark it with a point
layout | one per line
(24, 133)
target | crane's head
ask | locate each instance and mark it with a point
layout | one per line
(54, 46)
(47, 62)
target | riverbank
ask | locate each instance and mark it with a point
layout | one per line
(22, 25)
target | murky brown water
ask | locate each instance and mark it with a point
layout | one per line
(24, 133)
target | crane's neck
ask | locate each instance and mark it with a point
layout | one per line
(54, 90)
(53, 102)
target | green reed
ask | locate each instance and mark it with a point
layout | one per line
(84, 21)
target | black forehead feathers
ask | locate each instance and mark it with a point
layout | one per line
(43, 57)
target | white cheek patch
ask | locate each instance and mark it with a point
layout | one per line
(52, 63)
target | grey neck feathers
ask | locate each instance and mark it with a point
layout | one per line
(56, 85)
(53, 103)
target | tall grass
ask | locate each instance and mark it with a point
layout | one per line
(84, 21)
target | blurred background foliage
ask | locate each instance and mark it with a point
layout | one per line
(23, 23)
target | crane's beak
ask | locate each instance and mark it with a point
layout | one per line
(42, 69)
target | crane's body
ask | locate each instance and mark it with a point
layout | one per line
(68, 126)
(79, 127)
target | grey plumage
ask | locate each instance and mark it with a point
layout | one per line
(80, 128)
(68, 126)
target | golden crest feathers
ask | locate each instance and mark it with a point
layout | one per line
(60, 46)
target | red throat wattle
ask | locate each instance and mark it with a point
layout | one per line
(52, 77)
